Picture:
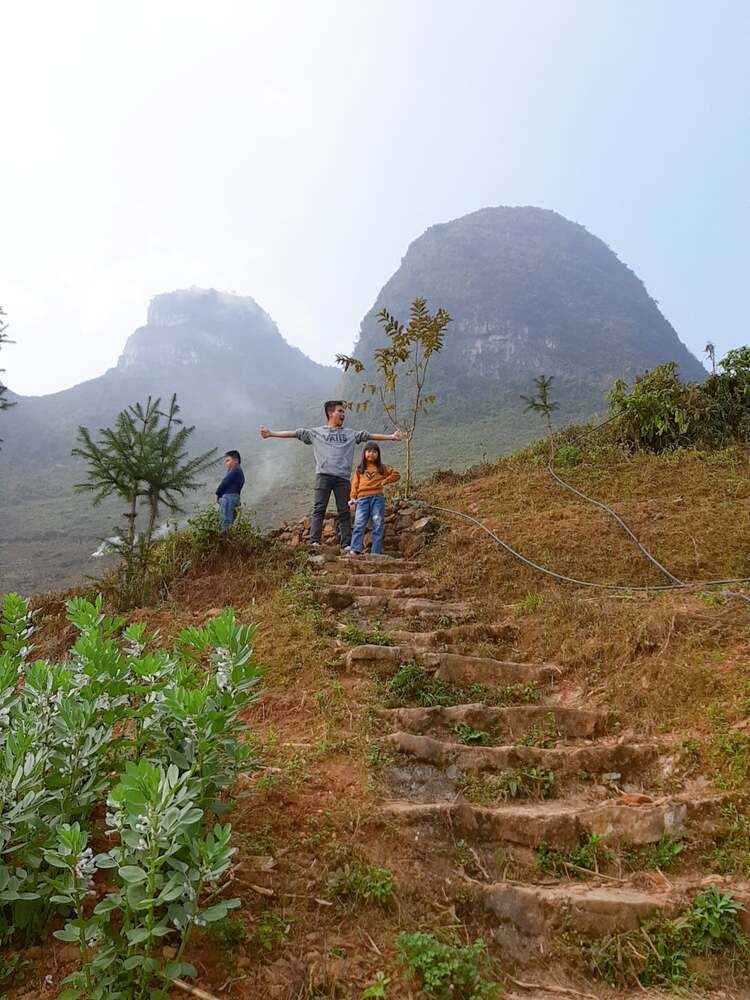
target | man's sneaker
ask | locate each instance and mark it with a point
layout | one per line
(314, 545)
(347, 551)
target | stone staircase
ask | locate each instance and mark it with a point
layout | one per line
(511, 777)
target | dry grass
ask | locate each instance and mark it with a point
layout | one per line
(658, 659)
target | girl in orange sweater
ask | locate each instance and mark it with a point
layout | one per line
(367, 498)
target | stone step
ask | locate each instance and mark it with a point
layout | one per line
(364, 564)
(512, 722)
(525, 917)
(624, 759)
(453, 668)
(535, 913)
(408, 607)
(340, 595)
(381, 581)
(559, 823)
(440, 638)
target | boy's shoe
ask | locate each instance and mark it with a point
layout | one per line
(347, 551)
(314, 545)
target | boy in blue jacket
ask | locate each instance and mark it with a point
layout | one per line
(229, 489)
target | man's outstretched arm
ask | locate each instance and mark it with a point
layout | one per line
(387, 437)
(265, 433)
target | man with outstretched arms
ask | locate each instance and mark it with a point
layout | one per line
(333, 448)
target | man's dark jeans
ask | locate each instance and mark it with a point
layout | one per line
(324, 486)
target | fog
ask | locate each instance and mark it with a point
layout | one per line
(292, 151)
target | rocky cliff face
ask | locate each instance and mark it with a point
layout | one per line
(530, 292)
(208, 336)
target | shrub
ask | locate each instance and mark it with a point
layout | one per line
(156, 733)
(358, 882)
(659, 411)
(448, 970)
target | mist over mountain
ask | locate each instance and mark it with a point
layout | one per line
(530, 292)
(231, 369)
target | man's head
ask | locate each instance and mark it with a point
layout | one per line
(335, 412)
(232, 458)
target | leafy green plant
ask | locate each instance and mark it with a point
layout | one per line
(156, 733)
(413, 685)
(664, 853)
(467, 734)
(544, 735)
(377, 757)
(730, 853)
(587, 857)
(729, 751)
(378, 989)
(529, 782)
(659, 952)
(200, 541)
(359, 882)
(356, 636)
(272, 930)
(448, 969)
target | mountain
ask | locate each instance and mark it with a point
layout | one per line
(530, 292)
(231, 369)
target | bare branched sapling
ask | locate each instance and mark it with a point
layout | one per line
(402, 368)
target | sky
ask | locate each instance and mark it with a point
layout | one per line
(292, 151)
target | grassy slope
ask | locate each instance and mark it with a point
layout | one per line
(659, 660)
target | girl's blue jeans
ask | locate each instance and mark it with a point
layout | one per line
(369, 508)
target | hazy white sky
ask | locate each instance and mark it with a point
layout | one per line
(292, 150)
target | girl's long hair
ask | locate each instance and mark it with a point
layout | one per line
(371, 446)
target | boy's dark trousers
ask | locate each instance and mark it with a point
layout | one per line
(324, 486)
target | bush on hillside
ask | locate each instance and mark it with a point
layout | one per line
(659, 412)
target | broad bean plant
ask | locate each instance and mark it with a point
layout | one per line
(155, 734)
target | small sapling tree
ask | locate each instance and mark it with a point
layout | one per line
(142, 459)
(710, 351)
(402, 368)
(4, 403)
(542, 403)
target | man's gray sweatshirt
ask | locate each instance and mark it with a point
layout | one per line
(333, 448)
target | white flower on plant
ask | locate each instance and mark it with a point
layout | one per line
(134, 649)
(102, 703)
(84, 870)
(223, 660)
(94, 938)
(114, 818)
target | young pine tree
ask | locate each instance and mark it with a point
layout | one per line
(143, 459)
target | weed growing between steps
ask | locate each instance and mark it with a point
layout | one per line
(667, 953)
(729, 854)
(526, 783)
(448, 970)
(543, 735)
(595, 855)
(353, 635)
(413, 685)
